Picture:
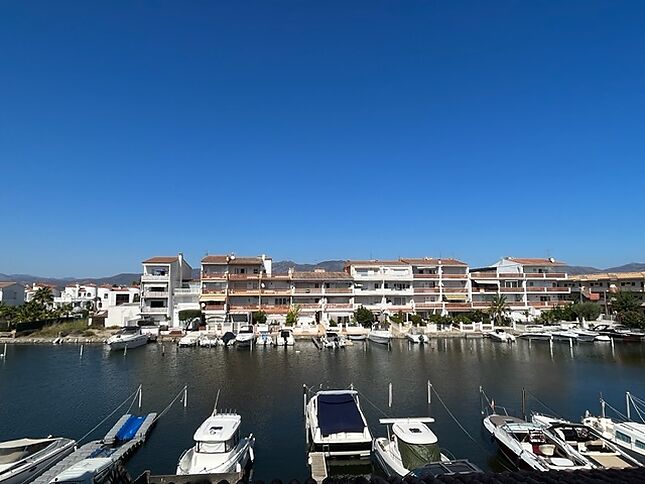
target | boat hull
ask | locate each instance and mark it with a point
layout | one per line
(357, 337)
(120, 344)
(244, 342)
(236, 461)
(31, 469)
(382, 339)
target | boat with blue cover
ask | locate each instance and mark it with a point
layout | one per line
(336, 424)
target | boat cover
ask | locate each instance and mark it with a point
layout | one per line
(129, 428)
(414, 456)
(339, 413)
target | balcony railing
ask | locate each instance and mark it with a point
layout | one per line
(155, 277)
(426, 290)
(214, 275)
(338, 290)
(183, 291)
(454, 276)
(511, 289)
(308, 290)
(149, 310)
(243, 277)
(426, 276)
(339, 306)
(277, 291)
(545, 275)
(243, 292)
(455, 290)
(157, 294)
(483, 275)
(214, 291)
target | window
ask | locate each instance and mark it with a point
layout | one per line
(256, 271)
(640, 445)
(623, 437)
(105, 296)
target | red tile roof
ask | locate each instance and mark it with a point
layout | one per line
(535, 261)
(161, 260)
(432, 260)
(245, 260)
(215, 259)
(374, 262)
(6, 284)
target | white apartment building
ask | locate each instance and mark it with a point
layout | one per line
(439, 286)
(161, 276)
(30, 291)
(528, 284)
(12, 293)
(600, 288)
(82, 296)
(382, 286)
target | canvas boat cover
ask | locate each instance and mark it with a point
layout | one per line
(338, 412)
(414, 456)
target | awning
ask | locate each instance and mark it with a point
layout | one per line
(490, 282)
(456, 297)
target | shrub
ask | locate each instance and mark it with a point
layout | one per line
(633, 319)
(364, 317)
(188, 314)
(259, 317)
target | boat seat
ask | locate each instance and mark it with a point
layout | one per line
(547, 449)
(561, 462)
(527, 446)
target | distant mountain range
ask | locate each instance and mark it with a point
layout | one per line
(128, 278)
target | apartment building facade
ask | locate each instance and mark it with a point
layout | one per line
(161, 277)
(600, 288)
(529, 284)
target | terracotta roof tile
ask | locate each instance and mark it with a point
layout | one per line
(245, 260)
(374, 262)
(161, 260)
(535, 261)
(449, 261)
(608, 276)
(215, 259)
(6, 284)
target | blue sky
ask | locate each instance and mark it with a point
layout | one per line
(316, 130)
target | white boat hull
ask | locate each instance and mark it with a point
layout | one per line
(380, 337)
(33, 467)
(390, 465)
(245, 341)
(418, 338)
(235, 461)
(121, 343)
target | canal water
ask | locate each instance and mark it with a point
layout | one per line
(53, 390)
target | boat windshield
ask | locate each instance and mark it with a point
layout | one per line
(211, 447)
(417, 455)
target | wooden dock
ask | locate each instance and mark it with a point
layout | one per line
(102, 448)
(318, 465)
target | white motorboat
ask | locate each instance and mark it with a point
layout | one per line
(189, 340)
(356, 333)
(501, 336)
(357, 337)
(587, 336)
(417, 336)
(380, 336)
(228, 339)
(336, 426)
(264, 335)
(218, 448)
(585, 441)
(536, 332)
(628, 435)
(208, 340)
(410, 444)
(245, 336)
(333, 340)
(23, 460)
(93, 470)
(564, 335)
(284, 337)
(528, 444)
(129, 336)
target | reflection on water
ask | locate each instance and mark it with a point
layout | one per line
(51, 390)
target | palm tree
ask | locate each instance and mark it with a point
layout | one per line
(498, 308)
(43, 297)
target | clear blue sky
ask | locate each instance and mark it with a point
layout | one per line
(316, 130)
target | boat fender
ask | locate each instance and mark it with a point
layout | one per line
(251, 454)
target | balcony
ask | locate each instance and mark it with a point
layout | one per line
(244, 277)
(564, 290)
(338, 290)
(286, 291)
(214, 275)
(347, 306)
(149, 310)
(512, 289)
(483, 275)
(308, 290)
(155, 294)
(454, 276)
(455, 290)
(426, 290)
(155, 277)
(275, 308)
(214, 291)
(426, 276)
(185, 291)
(243, 292)
(310, 306)
(546, 275)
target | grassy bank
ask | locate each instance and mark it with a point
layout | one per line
(70, 328)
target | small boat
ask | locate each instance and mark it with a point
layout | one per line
(208, 340)
(416, 335)
(218, 448)
(23, 460)
(501, 336)
(228, 339)
(357, 337)
(188, 340)
(537, 332)
(245, 336)
(284, 337)
(586, 336)
(380, 336)
(264, 335)
(93, 470)
(410, 444)
(526, 443)
(618, 332)
(333, 340)
(356, 333)
(336, 426)
(129, 336)
(580, 439)
(564, 335)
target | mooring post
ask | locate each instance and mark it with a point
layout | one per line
(81, 352)
(304, 400)
(125, 349)
(163, 349)
(524, 403)
(429, 392)
(140, 392)
(629, 413)
(185, 396)
(390, 395)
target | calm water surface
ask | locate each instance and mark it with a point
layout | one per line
(51, 390)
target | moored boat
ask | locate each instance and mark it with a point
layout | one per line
(188, 340)
(129, 336)
(264, 335)
(332, 339)
(380, 336)
(417, 336)
(23, 460)
(336, 426)
(218, 448)
(245, 336)
(501, 336)
(208, 340)
(93, 470)
(228, 339)
(410, 444)
(284, 337)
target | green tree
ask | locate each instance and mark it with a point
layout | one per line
(292, 315)
(364, 317)
(398, 318)
(43, 297)
(632, 319)
(587, 310)
(624, 301)
(498, 309)
(416, 319)
(190, 314)
(259, 317)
